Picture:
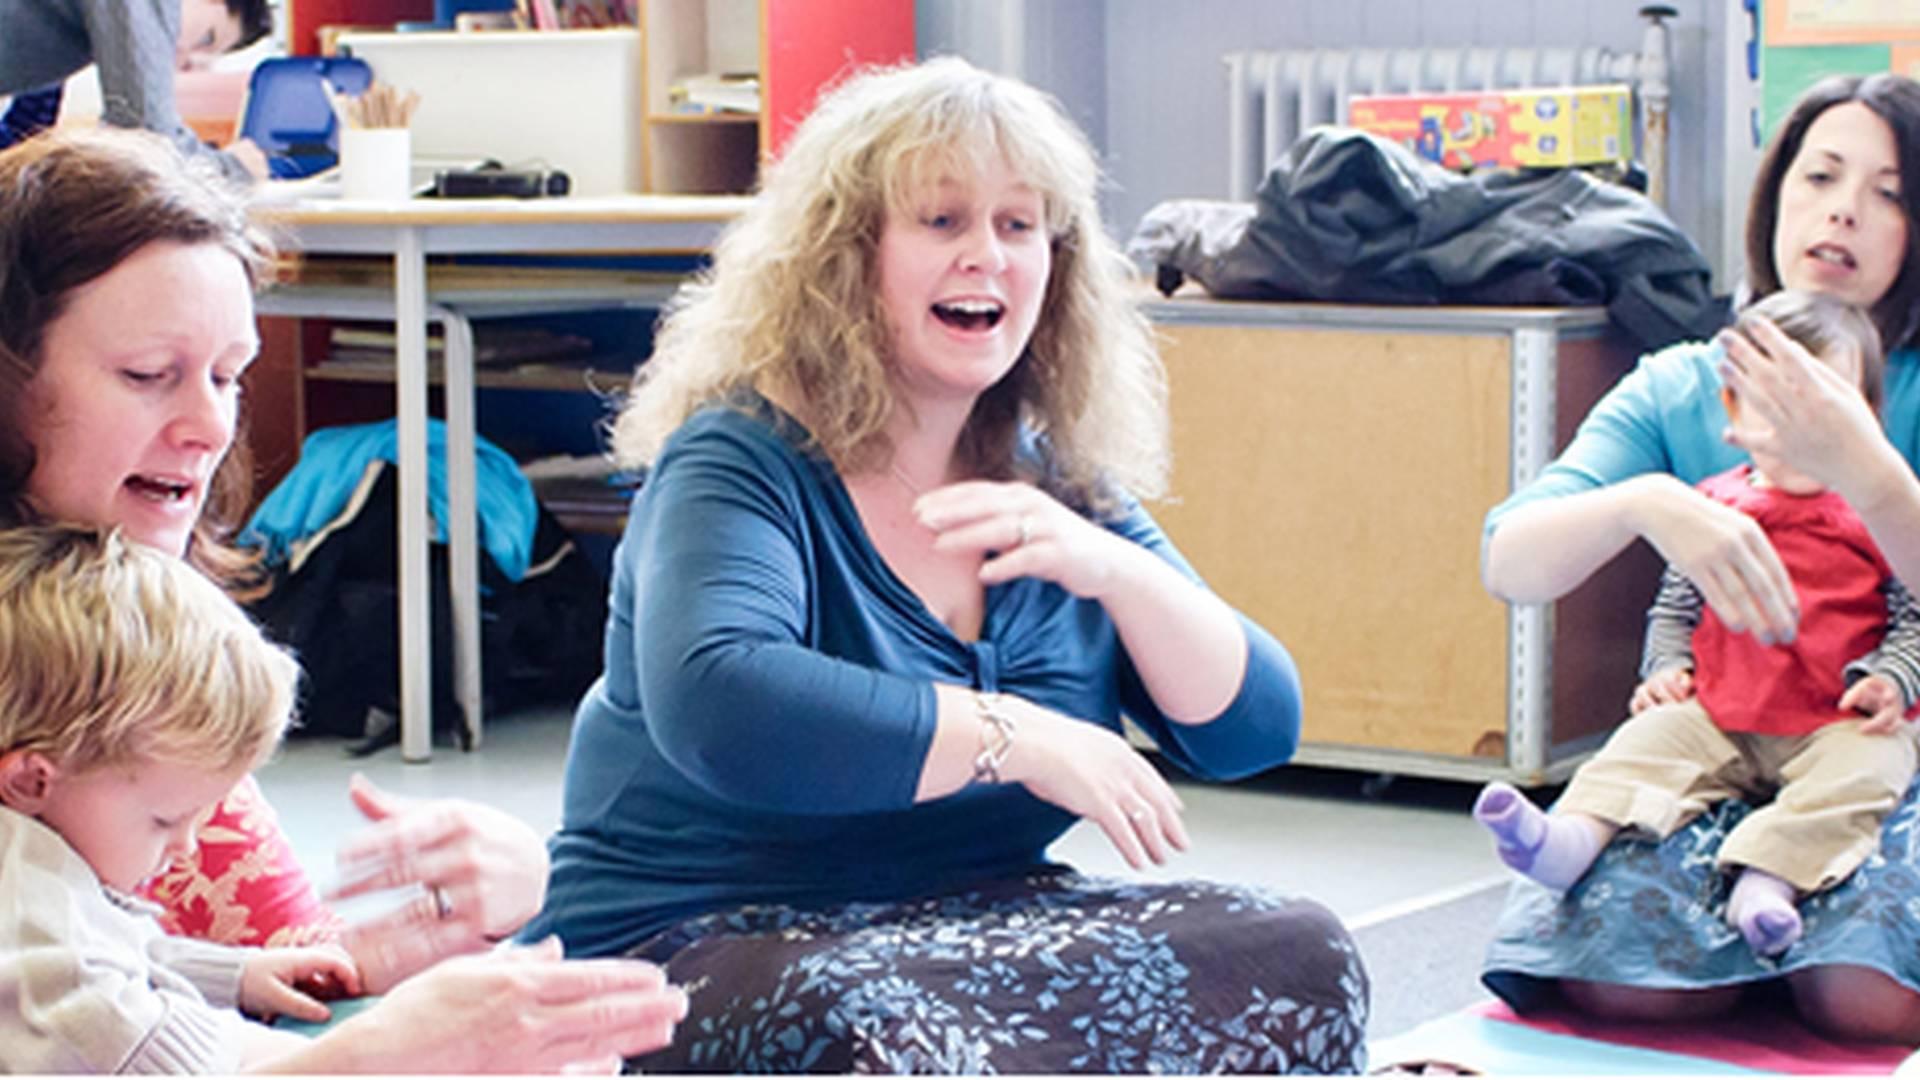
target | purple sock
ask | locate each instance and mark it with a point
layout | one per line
(1553, 851)
(1763, 909)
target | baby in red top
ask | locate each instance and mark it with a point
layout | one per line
(1816, 725)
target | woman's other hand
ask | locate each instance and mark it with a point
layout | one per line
(1723, 552)
(285, 981)
(483, 873)
(1092, 773)
(1021, 531)
(1668, 686)
(521, 1010)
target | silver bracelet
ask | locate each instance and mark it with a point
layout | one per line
(996, 738)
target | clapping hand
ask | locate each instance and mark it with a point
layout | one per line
(1021, 531)
(481, 872)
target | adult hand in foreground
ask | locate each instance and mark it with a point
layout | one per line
(521, 1009)
(482, 874)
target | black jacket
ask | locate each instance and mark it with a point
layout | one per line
(1351, 217)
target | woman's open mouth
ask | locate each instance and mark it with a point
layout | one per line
(160, 489)
(970, 314)
(1833, 256)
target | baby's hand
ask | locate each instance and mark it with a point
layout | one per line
(1879, 700)
(290, 981)
(1668, 686)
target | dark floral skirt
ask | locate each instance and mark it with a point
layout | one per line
(1653, 914)
(1050, 974)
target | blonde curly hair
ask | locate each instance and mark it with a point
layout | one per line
(791, 300)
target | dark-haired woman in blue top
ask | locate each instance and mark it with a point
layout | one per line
(1836, 209)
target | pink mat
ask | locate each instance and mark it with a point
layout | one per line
(1768, 1041)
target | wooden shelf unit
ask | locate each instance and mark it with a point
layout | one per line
(796, 47)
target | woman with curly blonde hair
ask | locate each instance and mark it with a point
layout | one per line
(879, 609)
(797, 306)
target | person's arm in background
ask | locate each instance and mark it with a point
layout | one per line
(135, 47)
(1612, 485)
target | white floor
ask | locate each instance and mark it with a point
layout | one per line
(1305, 831)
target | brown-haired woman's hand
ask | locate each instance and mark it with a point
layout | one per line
(482, 874)
(1093, 773)
(518, 1010)
(1021, 531)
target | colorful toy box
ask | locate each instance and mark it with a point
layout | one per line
(1576, 125)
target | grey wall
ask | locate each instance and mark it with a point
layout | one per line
(1145, 77)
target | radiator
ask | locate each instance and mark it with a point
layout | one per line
(1274, 96)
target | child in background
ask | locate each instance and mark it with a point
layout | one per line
(1817, 723)
(135, 695)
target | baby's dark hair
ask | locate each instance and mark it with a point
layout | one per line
(1820, 322)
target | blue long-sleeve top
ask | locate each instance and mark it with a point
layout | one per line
(1666, 416)
(767, 704)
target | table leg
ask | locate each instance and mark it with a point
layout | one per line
(463, 529)
(410, 409)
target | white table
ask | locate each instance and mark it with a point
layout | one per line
(410, 232)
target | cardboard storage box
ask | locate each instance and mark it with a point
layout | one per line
(1580, 125)
(1332, 465)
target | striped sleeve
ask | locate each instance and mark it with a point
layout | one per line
(1898, 657)
(1670, 623)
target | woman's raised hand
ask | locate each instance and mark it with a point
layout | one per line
(1092, 773)
(482, 871)
(1811, 416)
(1022, 531)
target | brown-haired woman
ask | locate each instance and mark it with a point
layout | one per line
(126, 322)
(1836, 210)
